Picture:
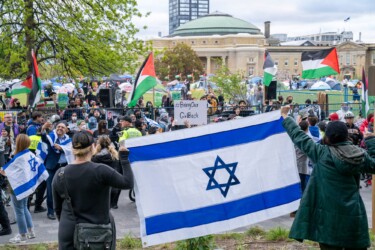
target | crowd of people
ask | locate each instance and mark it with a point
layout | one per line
(85, 139)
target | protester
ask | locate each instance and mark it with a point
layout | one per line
(35, 124)
(88, 185)
(333, 117)
(342, 111)
(365, 123)
(4, 219)
(58, 155)
(8, 123)
(354, 133)
(72, 124)
(7, 146)
(102, 129)
(106, 153)
(141, 126)
(331, 210)
(24, 220)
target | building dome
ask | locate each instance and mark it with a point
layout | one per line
(216, 24)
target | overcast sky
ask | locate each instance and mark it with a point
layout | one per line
(293, 17)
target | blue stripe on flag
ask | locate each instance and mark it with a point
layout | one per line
(31, 183)
(206, 142)
(15, 157)
(222, 212)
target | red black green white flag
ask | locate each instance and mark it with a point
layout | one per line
(320, 63)
(269, 69)
(35, 83)
(365, 101)
(145, 80)
(22, 87)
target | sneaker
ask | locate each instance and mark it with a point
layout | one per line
(30, 235)
(40, 209)
(18, 239)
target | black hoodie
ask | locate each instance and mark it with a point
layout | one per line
(105, 157)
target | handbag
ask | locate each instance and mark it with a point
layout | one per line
(88, 235)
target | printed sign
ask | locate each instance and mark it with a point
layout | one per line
(190, 110)
(158, 99)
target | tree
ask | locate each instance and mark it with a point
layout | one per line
(181, 59)
(86, 37)
(231, 84)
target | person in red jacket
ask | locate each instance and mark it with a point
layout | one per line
(365, 123)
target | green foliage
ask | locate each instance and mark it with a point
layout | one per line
(255, 232)
(372, 237)
(200, 243)
(232, 85)
(39, 247)
(180, 59)
(77, 37)
(129, 242)
(277, 234)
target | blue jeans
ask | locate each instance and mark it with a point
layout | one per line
(24, 220)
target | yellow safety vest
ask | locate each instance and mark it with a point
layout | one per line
(130, 133)
(35, 139)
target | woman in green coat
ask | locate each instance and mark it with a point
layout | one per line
(331, 210)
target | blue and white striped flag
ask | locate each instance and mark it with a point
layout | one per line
(25, 172)
(214, 178)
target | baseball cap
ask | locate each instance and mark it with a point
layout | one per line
(333, 117)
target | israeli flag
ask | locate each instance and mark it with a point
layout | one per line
(213, 178)
(65, 143)
(25, 172)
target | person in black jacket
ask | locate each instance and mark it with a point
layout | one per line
(88, 185)
(106, 153)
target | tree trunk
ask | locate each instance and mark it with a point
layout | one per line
(29, 30)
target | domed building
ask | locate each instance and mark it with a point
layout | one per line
(238, 43)
(216, 24)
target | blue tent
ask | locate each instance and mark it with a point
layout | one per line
(334, 85)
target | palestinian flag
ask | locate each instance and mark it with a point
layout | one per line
(22, 87)
(320, 63)
(365, 102)
(35, 83)
(146, 80)
(269, 69)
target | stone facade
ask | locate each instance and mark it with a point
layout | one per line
(245, 53)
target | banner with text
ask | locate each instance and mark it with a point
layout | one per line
(189, 110)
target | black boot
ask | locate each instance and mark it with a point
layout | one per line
(5, 231)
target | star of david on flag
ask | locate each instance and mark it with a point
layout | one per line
(229, 168)
(33, 164)
(214, 178)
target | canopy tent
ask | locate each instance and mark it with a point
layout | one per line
(320, 86)
(256, 79)
(334, 85)
(66, 88)
(120, 78)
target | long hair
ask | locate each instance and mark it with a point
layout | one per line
(102, 129)
(22, 143)
(104, 142)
